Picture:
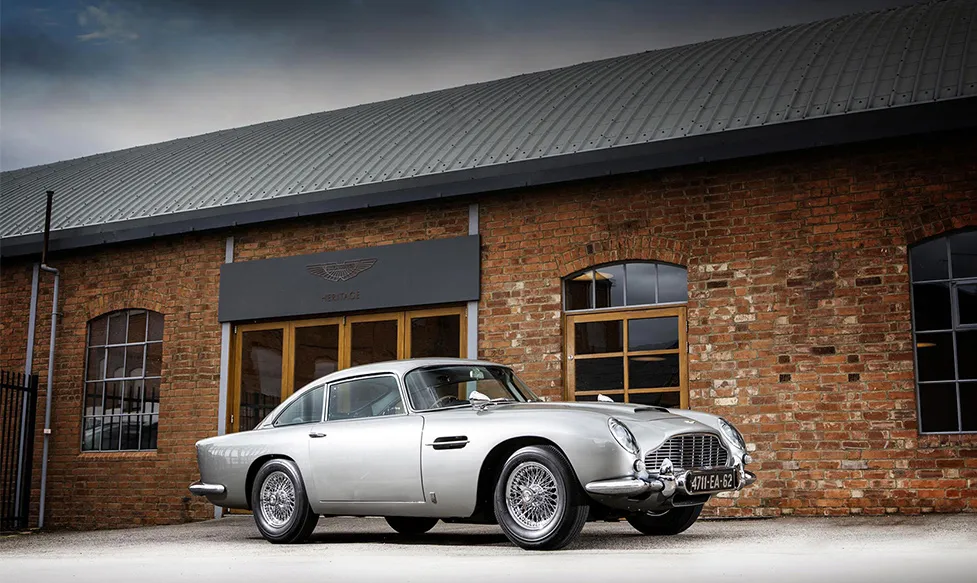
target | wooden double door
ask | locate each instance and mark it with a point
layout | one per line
(272, 360)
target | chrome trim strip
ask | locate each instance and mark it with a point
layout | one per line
(201, 489)
(624, 487)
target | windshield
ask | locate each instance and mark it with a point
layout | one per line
(438, 387)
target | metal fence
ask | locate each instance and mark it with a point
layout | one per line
(18, 406)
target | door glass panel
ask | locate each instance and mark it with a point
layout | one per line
(316, 353)
(597, 337)
(261, 375)
(653, 371)
(653, 333)
(610, 286)
(666, 399)
(373, 342)
(432, 336)
(600, 374)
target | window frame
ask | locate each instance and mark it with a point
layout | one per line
(86, 382)
(955, 326)
(625, 306)
(302, 395)
(400, 391)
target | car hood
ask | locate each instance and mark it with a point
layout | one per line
(628, 413)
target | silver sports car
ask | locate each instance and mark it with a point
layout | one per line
(417, 441)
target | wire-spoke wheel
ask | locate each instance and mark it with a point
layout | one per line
(538, 501)
(280, 506)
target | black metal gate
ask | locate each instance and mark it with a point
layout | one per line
(18, 406)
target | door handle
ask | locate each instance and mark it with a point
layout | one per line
(316, 434)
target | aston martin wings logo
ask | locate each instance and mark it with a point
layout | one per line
(340, 270)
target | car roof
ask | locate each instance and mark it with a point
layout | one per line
(399, 367)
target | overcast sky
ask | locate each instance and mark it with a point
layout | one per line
(80, 77)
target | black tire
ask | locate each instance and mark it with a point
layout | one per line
(674, 521)
(411, 525)
(297, 526)
(569, 509)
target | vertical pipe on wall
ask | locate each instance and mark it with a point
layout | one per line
(472, 317)
(50, 358)
(225, 366)
(28, 368)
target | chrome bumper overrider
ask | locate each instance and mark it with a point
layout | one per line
(665, 482)
(201, 489)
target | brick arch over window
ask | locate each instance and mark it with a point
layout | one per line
(648, 248)
(125, 300)
(938, 221)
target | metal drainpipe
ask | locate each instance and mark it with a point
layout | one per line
(50, 382)
(28, 369)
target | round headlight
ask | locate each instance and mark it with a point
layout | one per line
(623, 435)
(732, 433)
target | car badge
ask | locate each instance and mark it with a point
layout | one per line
(689, 421)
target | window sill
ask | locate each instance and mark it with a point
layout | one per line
(111, 455)
(945, 440)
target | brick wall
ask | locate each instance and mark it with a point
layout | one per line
(797, 266)
(799, 322)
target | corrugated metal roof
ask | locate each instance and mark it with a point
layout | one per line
(906, 56)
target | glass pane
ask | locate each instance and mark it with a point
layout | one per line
(134, 360)
(316, 353)
(673, 284)
(111, 428)
(117, 328)
(155, 326)
(96, 364)
(130, 432)
(435, 336)
(261, 375)
(137, 326)
(91, 435)
(305, 409)
(967, 303)
(967, 355)
(668, 399)
(934, 354)
(938, 407)
(578, 292)
(968, 406)
(93, 398)
(931, 306)
(642, 280)
(653, 333)
(373, 342)
(132, 400)
(97, 331)
(363, 398)
(929, 261)
(595, 337)
(617, 397)
(963, 254)
(150, 402)
(652, 372)
(154, 359)
(150, 428)
(117, 360)
(610, 286)
(600, 374)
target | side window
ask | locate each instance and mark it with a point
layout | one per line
(305, 409)
(362, 398)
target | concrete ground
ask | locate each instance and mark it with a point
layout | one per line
(936, 548)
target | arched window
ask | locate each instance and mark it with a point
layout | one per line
(944, 309)
(122, 376)
(626, 333)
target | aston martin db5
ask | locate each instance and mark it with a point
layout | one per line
(418, 441)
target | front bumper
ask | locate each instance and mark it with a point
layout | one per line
(666, 484)
(200, 489)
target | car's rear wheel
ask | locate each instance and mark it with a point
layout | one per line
(279, 503)
(411, 525)
(538, 502)
(674, 521)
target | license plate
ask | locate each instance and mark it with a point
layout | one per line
(710, 481)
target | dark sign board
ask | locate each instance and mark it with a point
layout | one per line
(411, 274)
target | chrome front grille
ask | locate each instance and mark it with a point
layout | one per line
(689, 451)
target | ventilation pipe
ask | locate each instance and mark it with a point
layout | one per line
(50, 359)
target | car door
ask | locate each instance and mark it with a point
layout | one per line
(369, 449)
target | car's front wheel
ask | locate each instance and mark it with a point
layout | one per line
(410, 525)
(674, 521)
(280, 506)
(538, 502)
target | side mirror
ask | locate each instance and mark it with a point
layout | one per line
(478, 400)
